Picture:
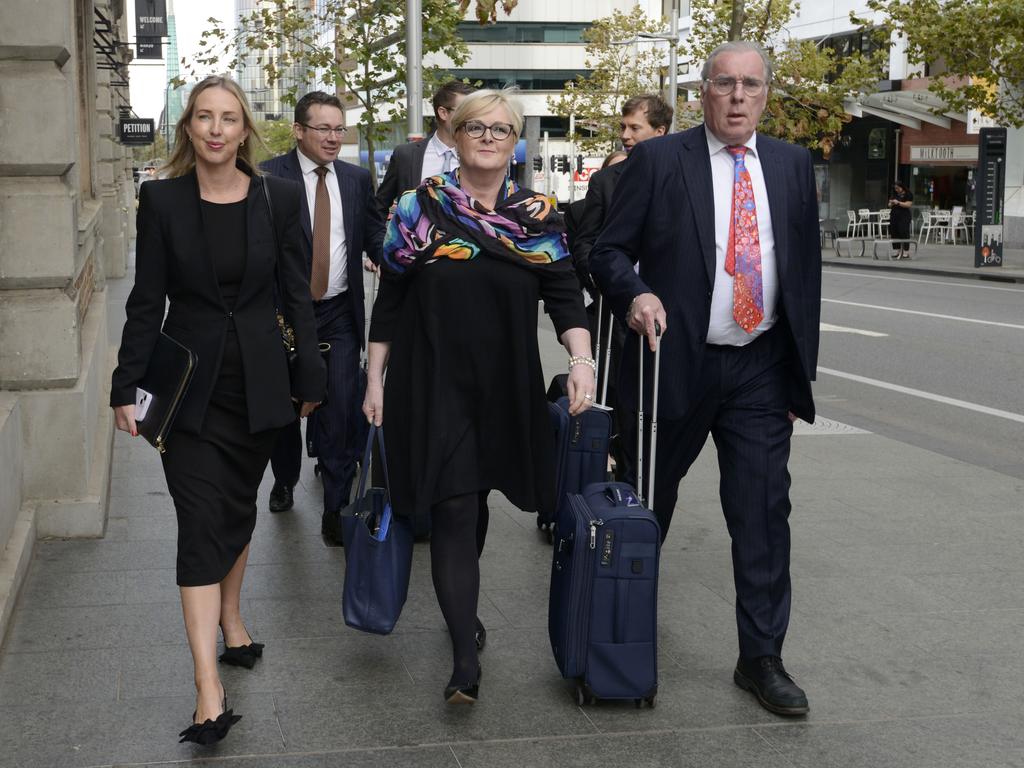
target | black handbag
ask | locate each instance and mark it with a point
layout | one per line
(162, 390)
(378, 553)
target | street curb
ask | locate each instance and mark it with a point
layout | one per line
(880, 266)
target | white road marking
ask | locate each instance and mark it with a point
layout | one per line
(1009, 415)
(844, 329)
(968, 281)
(924, 314)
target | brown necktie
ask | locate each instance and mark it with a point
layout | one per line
(321, 237)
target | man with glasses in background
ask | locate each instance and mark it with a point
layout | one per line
(411, 163)
(723, 224)
(340, 223)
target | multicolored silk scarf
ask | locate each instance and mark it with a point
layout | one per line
(439, 220)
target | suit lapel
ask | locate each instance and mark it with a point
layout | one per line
(348, 202)
(695, 168)
(292, 170)
(260, 237)
(778, 197)
(415, 175)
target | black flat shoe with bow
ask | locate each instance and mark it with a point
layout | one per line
(210, 731)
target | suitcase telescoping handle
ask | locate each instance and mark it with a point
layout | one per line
(603, 366)
(647, 495)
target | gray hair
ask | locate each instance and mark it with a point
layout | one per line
(484, 100)
(737, 46)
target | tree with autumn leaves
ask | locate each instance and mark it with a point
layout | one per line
(979, 45)
(354, 47)
(809, 86)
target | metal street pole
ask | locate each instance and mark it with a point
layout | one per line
(414, 66)
(673, 66)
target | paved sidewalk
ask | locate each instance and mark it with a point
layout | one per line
(945, 260)
(908, 614)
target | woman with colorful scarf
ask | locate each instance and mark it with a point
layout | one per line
(467, 256)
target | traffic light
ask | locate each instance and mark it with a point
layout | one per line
(538, 163)
(563, 163)
(579, 163)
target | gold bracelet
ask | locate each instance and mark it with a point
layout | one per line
(580, 360)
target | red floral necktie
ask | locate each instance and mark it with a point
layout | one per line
(743, 256)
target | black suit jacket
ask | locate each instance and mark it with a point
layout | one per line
(172, 264)
(405, 172)
(663, 214)
(595, 212)
(364, 227)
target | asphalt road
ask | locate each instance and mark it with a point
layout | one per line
(931, 361)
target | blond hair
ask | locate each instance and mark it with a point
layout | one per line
(484, 100)
(183, 159)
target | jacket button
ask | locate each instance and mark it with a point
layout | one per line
(231, 314)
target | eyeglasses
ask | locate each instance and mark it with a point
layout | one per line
(725, 86)
(499, 131)
(324, 131)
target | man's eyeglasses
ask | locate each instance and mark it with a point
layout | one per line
(725, 86)
(324, 131)
(499, 131)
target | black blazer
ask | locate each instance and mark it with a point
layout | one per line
(663, 213)
(364, 227)
(598, 205)
(172, 264)
(405, 172)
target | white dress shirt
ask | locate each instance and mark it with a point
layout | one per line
(337, 279)
(722, 328)
(433, 158)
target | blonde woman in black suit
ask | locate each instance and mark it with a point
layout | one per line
(209, 245)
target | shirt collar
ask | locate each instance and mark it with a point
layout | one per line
(308, 166)
(438, 147)
(716, 145)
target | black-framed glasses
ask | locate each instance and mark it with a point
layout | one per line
(725, 86)
(499, 131)
(324, 131)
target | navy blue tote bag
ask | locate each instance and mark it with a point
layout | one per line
(378, 552)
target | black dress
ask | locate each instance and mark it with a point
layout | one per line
(464, 399)
(213, 476)
(899, 218)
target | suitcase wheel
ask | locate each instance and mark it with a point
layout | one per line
(648, 700)
(583, 695)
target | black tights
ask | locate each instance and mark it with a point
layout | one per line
(458, 527)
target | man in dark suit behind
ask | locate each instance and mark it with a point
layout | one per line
(644, 117)
(411, 163)
(340, 222)
(724, 225)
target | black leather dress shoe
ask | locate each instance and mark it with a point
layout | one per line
(281, 498)
(775, 690)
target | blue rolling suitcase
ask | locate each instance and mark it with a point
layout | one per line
(581, 454)
(603, 606)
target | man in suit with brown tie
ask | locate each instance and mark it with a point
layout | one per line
(723, 225)
(341, 223)
(415, 161)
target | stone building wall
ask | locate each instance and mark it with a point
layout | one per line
(66, 200)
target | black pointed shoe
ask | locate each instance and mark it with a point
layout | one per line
(210, 731)
(464, 694)
(281, 498)
(774, 689)
(242, 655)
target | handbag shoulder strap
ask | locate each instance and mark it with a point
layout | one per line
(277, 242)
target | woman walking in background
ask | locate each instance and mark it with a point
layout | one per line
(208, 244)
(467, 256)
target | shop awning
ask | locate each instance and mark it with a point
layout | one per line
(907, 108)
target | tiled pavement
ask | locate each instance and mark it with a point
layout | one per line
(908, 614)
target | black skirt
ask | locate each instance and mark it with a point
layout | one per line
(214, 477)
